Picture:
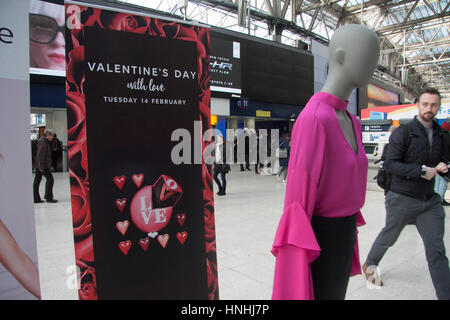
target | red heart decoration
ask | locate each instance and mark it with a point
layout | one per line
(120, 181)
(138, 179)
(122, 226)
(163, 239)
(125, 246)
(182, 236)
(120, 204)
(144, 243)
(181, 218)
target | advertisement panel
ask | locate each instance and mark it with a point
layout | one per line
(143, 225)
(225, 66)
(381, 97)
(19, 278)
(47, 42)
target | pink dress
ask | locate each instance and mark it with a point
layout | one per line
(325, 178)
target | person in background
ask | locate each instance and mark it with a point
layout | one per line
(246, 140)
(16, 261)
(42, 164)
(254, 148)
(47, 43)
(56, 148)
(284, 161)
(414, 163)
(220, 165)
(440, 184)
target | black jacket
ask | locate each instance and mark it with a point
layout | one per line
(43, 159)
(408, 150)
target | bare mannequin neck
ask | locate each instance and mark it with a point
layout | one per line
(337, 85)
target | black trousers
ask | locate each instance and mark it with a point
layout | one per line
(222, 186)
(48, 184)
(331, 270)
(55, 162)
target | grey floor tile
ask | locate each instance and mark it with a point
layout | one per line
(246, 222)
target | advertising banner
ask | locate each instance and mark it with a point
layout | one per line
(47, 43)
(403, 111)
(225, 66)
(143, 225)
(19, 278)
(381, 97)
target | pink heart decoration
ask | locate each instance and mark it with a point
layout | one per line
(120, 204)
(163, 239)
(144, 243)
(138, 179)
(125, 246)
(122, 226)
(182, 236)
(181, 218)
(120, 181)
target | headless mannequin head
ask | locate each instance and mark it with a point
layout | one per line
(353, 57)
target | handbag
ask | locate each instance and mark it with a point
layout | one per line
(283, 153)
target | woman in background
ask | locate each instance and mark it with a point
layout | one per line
(47, 43)
(284, 161)
(220, 165)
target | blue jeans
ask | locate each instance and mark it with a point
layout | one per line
(223, 185)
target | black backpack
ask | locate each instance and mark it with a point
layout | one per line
(383, 177)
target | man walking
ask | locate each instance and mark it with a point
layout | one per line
(414, 157)
(43, 163)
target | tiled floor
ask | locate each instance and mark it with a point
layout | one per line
(246, 221)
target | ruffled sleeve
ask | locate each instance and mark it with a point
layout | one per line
(295, 245)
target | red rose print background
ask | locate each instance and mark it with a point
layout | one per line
(143, 227)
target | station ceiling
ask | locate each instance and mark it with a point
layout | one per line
(414, 33)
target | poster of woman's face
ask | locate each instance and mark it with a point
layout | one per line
(47, 44)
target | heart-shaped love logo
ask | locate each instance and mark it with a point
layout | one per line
(120, 181)
(181, 218)
(163, 239)
(146, 215)
(122, 226)
(138, 179)
(182, 236)
(125, 246)
(153, 234)
(120, 204)
(144, 243)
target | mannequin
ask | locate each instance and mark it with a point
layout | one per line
(349, 69)
(315, 245)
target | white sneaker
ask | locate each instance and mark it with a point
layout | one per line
(373, 276)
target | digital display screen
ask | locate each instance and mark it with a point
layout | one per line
(381, 97)
(225, 66)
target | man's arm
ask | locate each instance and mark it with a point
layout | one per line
(394, 156)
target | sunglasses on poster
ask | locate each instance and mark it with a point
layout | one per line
(44, 29)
